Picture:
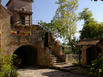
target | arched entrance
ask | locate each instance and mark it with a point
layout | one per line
(26, 55)
(92, 53)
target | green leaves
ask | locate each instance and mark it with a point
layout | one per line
(6, 67)
(91, 28)
(65, 18)
(86, 15)
(63, 24)
(96, 68)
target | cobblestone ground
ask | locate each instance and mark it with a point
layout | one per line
(45, 73)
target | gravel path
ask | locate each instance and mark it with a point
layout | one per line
(45, 73)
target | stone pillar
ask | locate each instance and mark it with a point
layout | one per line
(84, 57)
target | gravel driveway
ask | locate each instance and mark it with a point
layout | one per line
(45, 73)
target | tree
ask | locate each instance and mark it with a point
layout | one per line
(64, 21)
(46, 26)
(63, 24)
(91, 28)
(73, 45)
(86, 15)
(65, 18)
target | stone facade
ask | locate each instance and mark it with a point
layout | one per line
(20, 37)
(22, 12)
(89, 50)
(4, 28)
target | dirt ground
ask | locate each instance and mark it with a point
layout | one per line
(36, 72)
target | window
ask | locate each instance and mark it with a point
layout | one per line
(11, 20)
(22, 19)
(23, 9)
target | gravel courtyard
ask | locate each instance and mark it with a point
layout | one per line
(45, 73)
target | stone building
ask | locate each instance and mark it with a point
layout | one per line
(32, 45)
(89, 50)
(4, 27)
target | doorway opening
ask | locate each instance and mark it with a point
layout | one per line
(26, 55)
(92, 53)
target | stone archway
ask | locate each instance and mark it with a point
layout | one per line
(26, 55)
(92, 53)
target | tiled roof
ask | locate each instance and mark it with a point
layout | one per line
(89, 42)
(23, 0)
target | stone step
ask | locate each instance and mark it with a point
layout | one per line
(56, 64)
(56, 59)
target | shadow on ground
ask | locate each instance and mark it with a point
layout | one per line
(60, 74)
(56, 74)
(45, 72)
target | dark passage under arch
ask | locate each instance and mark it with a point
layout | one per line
(92, 53)
(26, 55)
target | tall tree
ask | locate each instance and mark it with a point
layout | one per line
(63, 24)
(65, 18)
(86, 15)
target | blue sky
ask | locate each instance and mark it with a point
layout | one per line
(45, 10)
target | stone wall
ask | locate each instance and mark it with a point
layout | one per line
(5, 32)
(5, 29)
(20, 7)
(22, 4)
(57, 51)
(89, 54)
(11, 42)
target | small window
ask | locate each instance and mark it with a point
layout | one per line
(11, 20)
(22, 19)
(22, 9)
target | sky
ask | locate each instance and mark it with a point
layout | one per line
(45, 10)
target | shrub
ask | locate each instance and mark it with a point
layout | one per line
(96, 68)
(6, 67)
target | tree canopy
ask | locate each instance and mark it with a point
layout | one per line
(91, 28)
(64, 22)
(65, 18)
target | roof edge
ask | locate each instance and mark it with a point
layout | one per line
(8, 2)
(10, 13)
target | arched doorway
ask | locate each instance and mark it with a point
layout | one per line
(92, 53)
(26, 55)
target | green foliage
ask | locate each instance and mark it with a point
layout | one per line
(91, 28)
(96, 68)
(86, 15)
(46, 26)
(6, 67)
(64, 21)
(63, 24)
(73, 45)
(65, 18)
